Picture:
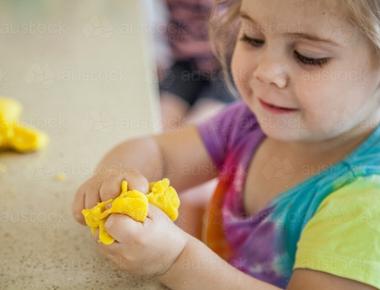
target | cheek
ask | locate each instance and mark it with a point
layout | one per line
(330, 103)
(241, 71)
(320, 98)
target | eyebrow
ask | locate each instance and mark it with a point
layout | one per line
(307, 36)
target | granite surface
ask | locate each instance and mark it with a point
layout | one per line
(82, 71)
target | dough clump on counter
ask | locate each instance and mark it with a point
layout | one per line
(13, 134)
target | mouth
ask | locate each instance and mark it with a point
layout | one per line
(276, 109)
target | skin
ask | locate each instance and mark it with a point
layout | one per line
(330, 112)
(336, 103)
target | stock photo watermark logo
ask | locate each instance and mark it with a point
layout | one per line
(33, 28)
(42, 219)
(44, 75)
(98, 27)
(342, 76)
(41, 74)
(103, 123)
(101, 26)
(277, 168)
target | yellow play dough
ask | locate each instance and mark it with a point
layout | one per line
(10, 110)
(14, 135)
(104, 237)
(165, 197)
(60, 177)
(92, 216)
(134, 204)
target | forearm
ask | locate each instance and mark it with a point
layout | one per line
(141, 154)
(200, 268)
(179, 155)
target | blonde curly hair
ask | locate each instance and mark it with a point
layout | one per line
(224, 26)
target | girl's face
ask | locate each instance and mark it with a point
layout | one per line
(305, 56)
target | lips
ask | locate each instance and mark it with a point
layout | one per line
(276, 107)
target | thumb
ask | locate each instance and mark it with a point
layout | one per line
(122, 228)
(155, 212)
(110, 187)
(136, 181)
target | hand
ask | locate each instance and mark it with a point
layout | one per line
(144, 249)
(103, 186)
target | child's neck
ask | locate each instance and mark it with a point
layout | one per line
(329, 151)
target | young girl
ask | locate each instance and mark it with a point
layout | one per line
(298, 200)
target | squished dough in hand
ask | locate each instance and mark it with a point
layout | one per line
(14, 135)
(165, 197)
(134, 204)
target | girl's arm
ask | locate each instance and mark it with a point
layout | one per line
(178, 155)
(197, 267)
(314, 280)
(185, 158)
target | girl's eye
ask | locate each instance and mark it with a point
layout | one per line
(252, 41)
(310, 61)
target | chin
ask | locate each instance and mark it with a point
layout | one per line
(292, 135)
(282, 130)
(281, 135)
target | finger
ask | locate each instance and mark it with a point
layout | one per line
(78, 205)
(122, 228)
(110, 251)
(110, 187)
(95, 235)
(91, 196)
(114, 248)
(155, 212)
(137, 181)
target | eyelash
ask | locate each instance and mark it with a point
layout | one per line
(303, 59)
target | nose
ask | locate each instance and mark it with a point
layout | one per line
(271, 70)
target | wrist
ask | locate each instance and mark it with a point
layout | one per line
(179, 264)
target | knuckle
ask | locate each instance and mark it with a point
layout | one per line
(134, 174)
(132, 171)
(91, 197)
(109, 188)
(138, 181)
(104, 191)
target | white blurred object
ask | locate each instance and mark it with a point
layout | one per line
(158, 16)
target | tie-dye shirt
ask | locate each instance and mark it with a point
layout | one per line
(329, 222)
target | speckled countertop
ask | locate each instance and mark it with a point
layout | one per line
(81, 77)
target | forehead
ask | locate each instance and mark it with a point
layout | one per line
(325, 18)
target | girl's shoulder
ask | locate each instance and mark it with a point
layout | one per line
(345, 229)
(232, 123)
(235, 124)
